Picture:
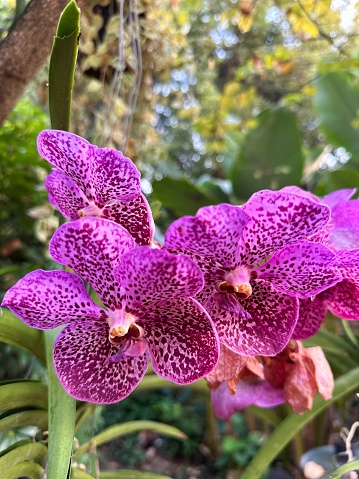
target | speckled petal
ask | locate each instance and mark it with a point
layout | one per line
(347, 258)
(135, 216)
(343, 300)
(182, 341)
(346, 220)
(279, 219)
(259, 393)
(113, 176)
(213, 233)
(65, 195)
(312, 313)
(333, 199)
(266, 327)
(150, 275)
(69, 153)
(302, 269)
(48, 299)
(81, 358)
(92, 247)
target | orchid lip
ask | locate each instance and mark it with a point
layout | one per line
(90, 210)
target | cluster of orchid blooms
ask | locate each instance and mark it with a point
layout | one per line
(228, 296)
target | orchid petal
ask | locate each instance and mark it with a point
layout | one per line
(279, 219)
(182, 341)
(336, 197)
(265, 327)
(92, 247)
(213, 233)
(65, 195)
(346, 221)
(301, 269)
(151, 275)
(346, 258)
(343, 300)
(312, 312)
(48, 299)
(135, 216)
(113, 176)
(82, 361)
(69, 153)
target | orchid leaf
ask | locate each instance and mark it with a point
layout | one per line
(24, 394)
(119, 430)
(345, 468)
(31, 470)
(77, 473)
(62, 66)
(293, 423)
(128, 474)
(25, 418)
(14, 331)
(34, 451)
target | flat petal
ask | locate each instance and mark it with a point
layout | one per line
(279, 219)
(92, 247)
(302, 269)
(48, 299)
(65, 195)
(113, 176)
(265, 327)
(150, 275)
(336, 197)
(343, 300)
(69, 153)
(182, 341)
(135, 216)
(346, 220)
(347, 258)
(82, 361)
(260, 393)
(213, 233)
(312, 313)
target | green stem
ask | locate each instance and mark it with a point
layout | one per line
(62, 412)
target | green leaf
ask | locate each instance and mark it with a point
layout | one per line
(23, 394)
(293, 423)
(340, 471)
(62, 67)
(14, 331)
(128, 474)
(119, 430)
(336, 180)
(25, 418)
(180, 196)
(337, 107)
(62, 413)
(77, 473)
(27, 469)
(34, 451)
(270, 156)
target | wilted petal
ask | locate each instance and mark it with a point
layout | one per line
(333, 199)
(343, 299)
(69, 153)
(92, 247)
(182, 341)
(228, 367)
(48, 299)
(65, 195)
(213, 233)
(279, 219)
(82, 361)
(267, 327)
(301, 269)
(113, 176)
(312, 312)
(300, 386)
(150, 275)
(135, 216)
(259, 393)
(323, 374)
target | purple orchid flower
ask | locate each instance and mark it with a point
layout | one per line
(103, 352)
(251, 298)
(92, 181)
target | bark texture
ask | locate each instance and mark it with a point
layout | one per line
(26, 49)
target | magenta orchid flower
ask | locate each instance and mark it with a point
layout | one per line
(92, 181)
(103, 352)
(256, 263)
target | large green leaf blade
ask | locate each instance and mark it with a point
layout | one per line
(270, 156)
(293, 423)
(21, 395)
(337, 106)
(34, 451)
(14, 331)
(345, 468)
(25, 418)
(31, 470)
(113, 432)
